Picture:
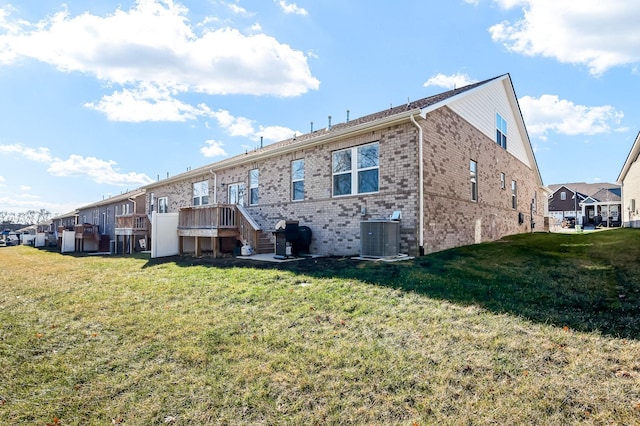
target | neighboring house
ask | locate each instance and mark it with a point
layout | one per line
(591, 204)
(629, 179)
(457, 168)
(565, 202)
(115, 224)
(62, 223)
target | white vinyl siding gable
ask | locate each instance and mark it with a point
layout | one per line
(479, 108)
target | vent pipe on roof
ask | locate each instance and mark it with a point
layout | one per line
(261, 142)
(347, 116)
(329, 126)
(311, 127)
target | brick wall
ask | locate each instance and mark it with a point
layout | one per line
(451, 218)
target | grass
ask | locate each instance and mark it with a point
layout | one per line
(534, 329)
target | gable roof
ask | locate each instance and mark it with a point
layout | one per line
(369, 122)
(632, 157)
(583, 188)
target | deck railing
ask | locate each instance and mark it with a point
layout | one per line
(87, 231)
(210, 217)
(221, 216)
(248, 228)
(135, 222)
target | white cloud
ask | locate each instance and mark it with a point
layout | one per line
(99, 170)
(276, 133)
(25, 188)
(237, 9)
(213, 149)
(154, 43)
(291, 8)
(41, 155)
(449, 81)
(2, 181)
(144, 103)
(598, 34)
(550, 113)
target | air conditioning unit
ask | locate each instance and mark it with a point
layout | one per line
(379, 238)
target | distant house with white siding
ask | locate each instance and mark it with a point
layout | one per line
(629, 179)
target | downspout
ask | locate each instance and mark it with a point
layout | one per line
(134, 204)
(420, 187)
(215, 186)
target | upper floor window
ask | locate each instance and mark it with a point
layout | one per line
(501, 131)
(356, 170)
(514, 195)
(503, 181)
(163, 205)
(563, 195)
(254, 176)
(201, 193)
(473, 169)
(297, 180)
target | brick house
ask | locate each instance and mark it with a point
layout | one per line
(629, 179)
(457, 167)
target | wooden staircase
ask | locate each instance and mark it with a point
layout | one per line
(265, 244)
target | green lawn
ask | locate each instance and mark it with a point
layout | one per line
(534, 329)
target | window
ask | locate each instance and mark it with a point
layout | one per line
(163, 205)
(152, 201)
(514, 201)
(236, 193)
(473, 168)
(355, 170)
(501, 131)
(563, 195)
(201, 193)
(253, 186)
(297, 180)
(503, 183)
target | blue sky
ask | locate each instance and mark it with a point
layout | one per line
(97, 98)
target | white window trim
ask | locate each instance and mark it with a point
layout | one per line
(163, 204)
(294, 180)
(240, 196)
(254, 186)
(354, 170)
(203, 198)
(473, 180)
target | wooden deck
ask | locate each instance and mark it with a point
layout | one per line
(214, 222)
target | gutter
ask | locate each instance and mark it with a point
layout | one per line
(420, 185)
(290, 147)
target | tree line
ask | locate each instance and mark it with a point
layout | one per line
(29, 217)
